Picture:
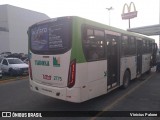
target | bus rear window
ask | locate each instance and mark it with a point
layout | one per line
(51, 38)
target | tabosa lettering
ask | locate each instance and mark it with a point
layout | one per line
(41, 62)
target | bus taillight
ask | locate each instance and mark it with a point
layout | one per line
(72, 74)
(30, 70)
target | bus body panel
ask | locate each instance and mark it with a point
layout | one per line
(59, 93)
(96, 70)
(129, 63)
(51, 70)
(97, 88)
(146, 62)
(97, 78)
(81, 83)
(91, 79)
(67, 94)
(74, 94)
(81, 74)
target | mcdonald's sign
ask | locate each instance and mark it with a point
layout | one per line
(130, 14)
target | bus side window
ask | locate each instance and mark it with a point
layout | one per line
(124, 45)
(132, 46)
(144, 46)
(148, 47)
(93, 44)
(128, 46)
(93, 54)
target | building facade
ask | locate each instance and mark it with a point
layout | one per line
(14, 23)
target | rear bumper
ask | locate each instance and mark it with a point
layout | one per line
(67, 94)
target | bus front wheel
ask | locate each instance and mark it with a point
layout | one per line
(126, 79)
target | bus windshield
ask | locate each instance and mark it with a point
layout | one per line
(51, 38)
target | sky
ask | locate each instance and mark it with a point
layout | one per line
(148, 10)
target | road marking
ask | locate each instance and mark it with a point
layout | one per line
(121, 98)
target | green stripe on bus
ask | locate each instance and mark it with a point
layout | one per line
(77, 50)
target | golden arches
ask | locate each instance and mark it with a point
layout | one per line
(128, 7)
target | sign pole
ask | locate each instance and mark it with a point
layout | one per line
(129, 14)
(111, 8)
(129, 23)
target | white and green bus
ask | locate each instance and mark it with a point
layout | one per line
(75, 59)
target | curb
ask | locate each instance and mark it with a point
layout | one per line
(13, 79)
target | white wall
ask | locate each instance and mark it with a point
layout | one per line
(4, 34)
(4, 42)
(18, 20)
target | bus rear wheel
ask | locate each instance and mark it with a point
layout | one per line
(126, 79)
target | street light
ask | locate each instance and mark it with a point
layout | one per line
(110, 8)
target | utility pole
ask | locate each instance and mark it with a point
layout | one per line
(110, 8)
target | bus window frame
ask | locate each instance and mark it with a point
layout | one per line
(84, 28)
(52, 51)
(128, 51)
(146, 46)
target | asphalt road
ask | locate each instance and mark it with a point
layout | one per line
(141, 95)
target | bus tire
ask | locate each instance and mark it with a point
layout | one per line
(149, 71)
(126, 79)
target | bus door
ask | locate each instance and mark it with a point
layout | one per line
(154, 54)
(112, 51)
(139, 56)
